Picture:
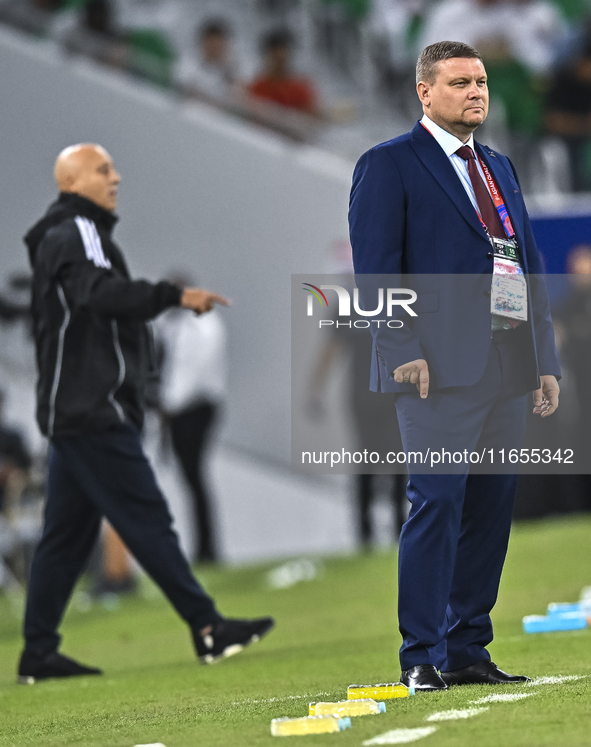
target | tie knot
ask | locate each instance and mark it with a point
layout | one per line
(465, 152)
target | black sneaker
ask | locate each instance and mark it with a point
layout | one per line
(229, 637)
(33, 667)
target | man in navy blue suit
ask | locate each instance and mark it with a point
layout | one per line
(438, 206)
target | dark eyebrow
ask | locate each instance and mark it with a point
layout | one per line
(466, 79)
(103, 168)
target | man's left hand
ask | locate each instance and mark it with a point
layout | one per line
(546, 398)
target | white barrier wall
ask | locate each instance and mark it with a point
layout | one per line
(236, 206)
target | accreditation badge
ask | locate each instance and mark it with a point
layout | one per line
(508, 297)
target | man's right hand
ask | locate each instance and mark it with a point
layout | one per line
(415, 372)
(200, 300)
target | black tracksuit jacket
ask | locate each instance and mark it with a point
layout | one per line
(92, 343)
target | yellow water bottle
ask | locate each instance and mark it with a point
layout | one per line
(384, 691)
(287, 727)
(363, 707)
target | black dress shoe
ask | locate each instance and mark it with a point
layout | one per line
(228, 637)
(423, 677)
(33, 667)
(483, 673)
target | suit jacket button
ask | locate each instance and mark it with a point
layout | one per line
(486, 293)
(490, 255)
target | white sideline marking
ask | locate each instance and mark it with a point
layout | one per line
(554, 634)
(499, 698)
(400, 736)
(556, 680)
(455, 715)
(489, 699)
(250, 701)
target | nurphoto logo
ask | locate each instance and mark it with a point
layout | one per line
(390, 298)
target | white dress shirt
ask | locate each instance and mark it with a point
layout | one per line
(450, 143)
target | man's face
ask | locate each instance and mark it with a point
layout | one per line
(214, 48)
(458, 98)
(278, 59)
(96, 179)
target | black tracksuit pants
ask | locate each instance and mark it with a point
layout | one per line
(91, 476)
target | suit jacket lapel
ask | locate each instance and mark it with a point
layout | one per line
(433, 157)
(506, 187)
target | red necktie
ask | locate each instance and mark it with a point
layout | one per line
(488, 211)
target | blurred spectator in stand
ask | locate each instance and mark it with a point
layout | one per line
(568, 114)
(339, 24)
(547, 494)
(276, 7)
(96, 35)
(480, 23)
(152, 56)
(15, 463)
(95, 31)
(536, 31)
(211, 73)
(519, 41)
(33, 16)
(573, 322)
(156, 31)
(394, 28)
(277, 82)
(374, 418)
(11, 310)
(113, 571)
(175, 19)
(49, 5)
(293, 14)
(192, 391)
(374, 421)
(527, 31)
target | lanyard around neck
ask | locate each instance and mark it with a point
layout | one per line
(495, 193)
(498, 201)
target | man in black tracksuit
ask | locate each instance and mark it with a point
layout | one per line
(93, 354)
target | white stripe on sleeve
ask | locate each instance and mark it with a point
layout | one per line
(92, 242)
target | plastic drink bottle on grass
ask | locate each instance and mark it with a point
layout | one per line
(384, 691)
(560, 608)
(287, 727)
(555, 621)
(363, 707)
(562, 616)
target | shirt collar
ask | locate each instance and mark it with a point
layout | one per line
(75, 203)
(450, 143)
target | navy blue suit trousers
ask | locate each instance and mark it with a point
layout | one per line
(453, 545)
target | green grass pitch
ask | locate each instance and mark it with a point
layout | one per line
(332, 631)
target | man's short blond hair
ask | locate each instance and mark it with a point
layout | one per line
(432, 55)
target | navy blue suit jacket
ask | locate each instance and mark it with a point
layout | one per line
(409, 213)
